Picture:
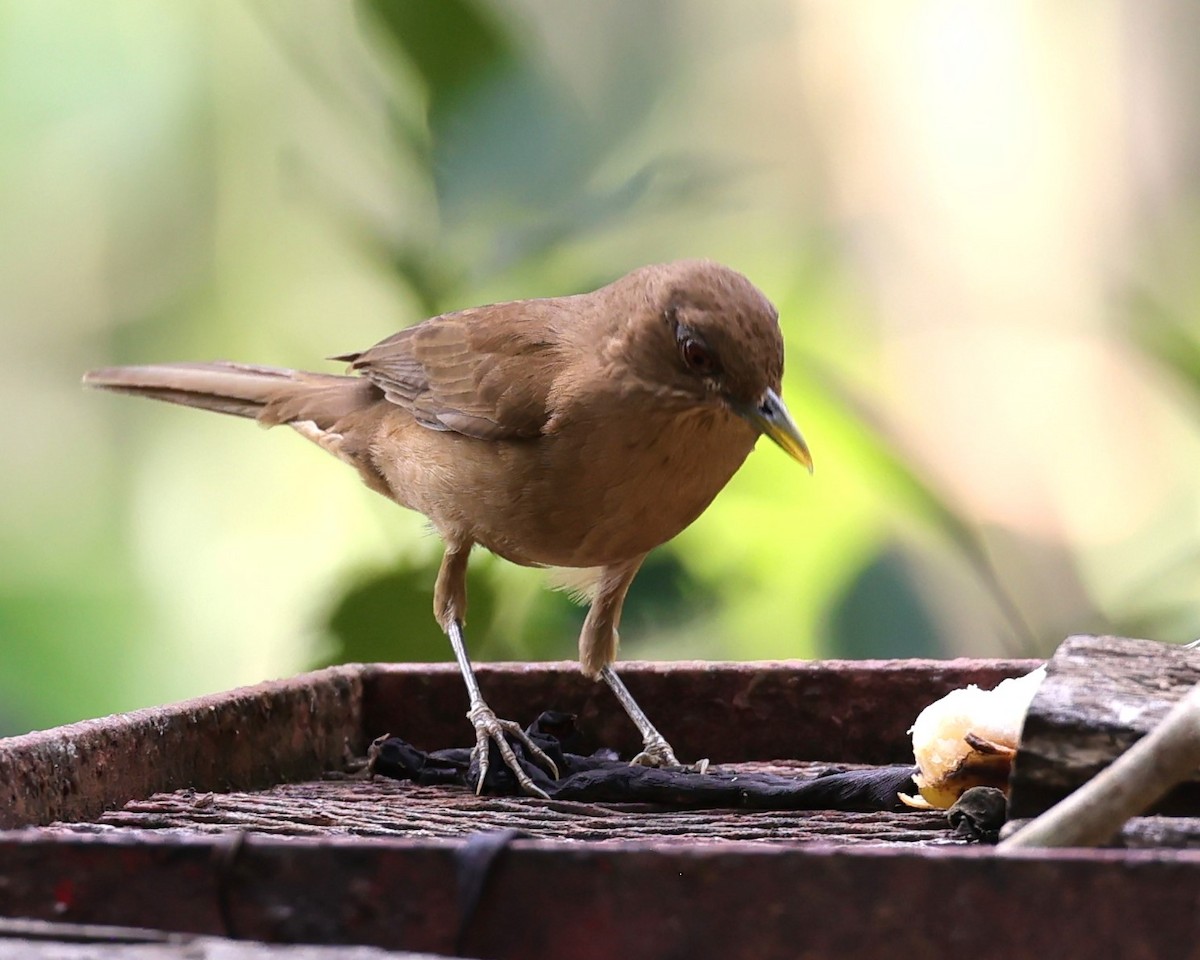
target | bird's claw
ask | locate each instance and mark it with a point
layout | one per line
(657, 752)
(489, 727)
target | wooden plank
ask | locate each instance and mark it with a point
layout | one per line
(1146, 833)
(588, 900)
(1100, 696)
(850, 711)
(641, 892)
(853, 711)
(41, 940)
(252, 737)
(389, 808)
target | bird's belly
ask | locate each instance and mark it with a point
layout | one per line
(587, 496)
(587, 502)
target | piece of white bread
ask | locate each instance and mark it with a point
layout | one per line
(968, 739)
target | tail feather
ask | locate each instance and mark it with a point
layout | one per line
(271, 395)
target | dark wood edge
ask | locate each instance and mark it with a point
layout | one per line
(544, 899)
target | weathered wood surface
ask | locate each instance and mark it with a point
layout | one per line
(1145, 833)
(390, 808)
(1140, 779)
(339, 872)
(852, 711)
(1101, 695)
(42, 940)
(296, 729)
(1160, 833)
(588, 901)
(252, 737)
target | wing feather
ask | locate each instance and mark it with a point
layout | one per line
(485, 372)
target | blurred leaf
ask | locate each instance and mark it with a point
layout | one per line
(514, 156)
(389, 616)
(548, 629)
(1168, 339)
(456, 45)
(664, 596)
(501, 133)
(882, 613)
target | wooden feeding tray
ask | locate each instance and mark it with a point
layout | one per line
(233, 816)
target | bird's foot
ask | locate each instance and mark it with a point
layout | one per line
(656, 752)
(489, 727)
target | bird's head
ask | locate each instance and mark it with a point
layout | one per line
(704, 335)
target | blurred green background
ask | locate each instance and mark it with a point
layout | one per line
(979, 221)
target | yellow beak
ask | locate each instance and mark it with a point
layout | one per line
(771, 418)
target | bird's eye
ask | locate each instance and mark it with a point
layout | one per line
(698, 357)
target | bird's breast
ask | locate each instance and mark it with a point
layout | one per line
(595, 491)
(606, 492)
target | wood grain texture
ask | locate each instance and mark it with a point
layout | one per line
(297, 729)
(246, 738)
(1145, 833)
(1101, 695)
(389, 808)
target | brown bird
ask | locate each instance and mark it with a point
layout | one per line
(578, 431)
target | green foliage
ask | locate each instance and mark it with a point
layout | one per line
(1170, 338)
(388, 614)
(458, 47)
(520, 167)
(881, 614)
(254, 182)
(514, 159)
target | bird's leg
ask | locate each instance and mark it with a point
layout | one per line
(490, 727)
(598, 650)
(449, 605)
(656, 752)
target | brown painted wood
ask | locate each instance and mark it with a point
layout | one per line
(649, 891)
(42, 940)
(587, 900)
(252, 737)
(1100, 696)
(852, 711)
(398, 809)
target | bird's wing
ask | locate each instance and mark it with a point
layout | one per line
(484, 372)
